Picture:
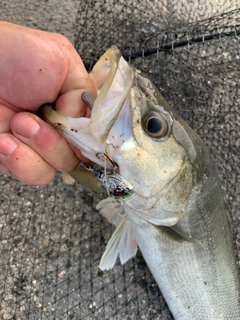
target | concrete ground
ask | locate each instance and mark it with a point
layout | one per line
(51, 237)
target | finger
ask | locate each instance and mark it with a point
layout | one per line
(45, 140)
(77, 76)
(49, 67)
(23, 162)
(34, 77)
(76, 82)
(71, 104)
(5, 118)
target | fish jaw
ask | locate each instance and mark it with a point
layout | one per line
(77, 132)
(112, 95)
(104, 70)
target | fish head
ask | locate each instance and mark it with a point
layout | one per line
(133, 129)
(145, 138)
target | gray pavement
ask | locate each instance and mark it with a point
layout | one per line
(51, 237)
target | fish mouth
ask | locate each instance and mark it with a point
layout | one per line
(111, 110)
(110, 125)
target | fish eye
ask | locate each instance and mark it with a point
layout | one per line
(155, 125)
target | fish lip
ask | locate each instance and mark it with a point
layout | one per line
(112, 96)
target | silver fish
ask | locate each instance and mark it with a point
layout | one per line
(174, 210)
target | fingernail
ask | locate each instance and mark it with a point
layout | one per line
(7, 146)
(25, 125)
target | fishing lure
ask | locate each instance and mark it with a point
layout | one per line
(112, 182)
(115, 184)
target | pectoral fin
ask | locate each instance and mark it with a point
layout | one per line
(112, 210)
(123, 241)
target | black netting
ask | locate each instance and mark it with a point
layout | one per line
(52, 238)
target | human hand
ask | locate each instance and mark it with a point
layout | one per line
(37, 67)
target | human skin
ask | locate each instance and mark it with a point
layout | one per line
(37, 67)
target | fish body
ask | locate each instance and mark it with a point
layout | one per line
(175, 212)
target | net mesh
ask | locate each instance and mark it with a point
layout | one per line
(52, 238)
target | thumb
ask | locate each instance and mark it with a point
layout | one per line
(76, 82)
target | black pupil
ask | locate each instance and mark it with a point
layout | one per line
(154, 125)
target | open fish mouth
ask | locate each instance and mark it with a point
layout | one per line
(112, 98)
(110, 123)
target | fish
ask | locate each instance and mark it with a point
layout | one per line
(162, 187)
